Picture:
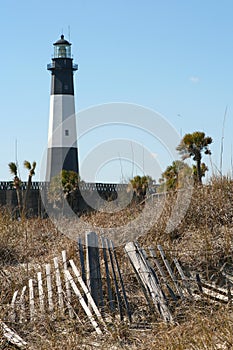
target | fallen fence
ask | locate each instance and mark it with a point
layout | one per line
(93, 280)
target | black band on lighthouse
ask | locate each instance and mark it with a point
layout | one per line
(62, 76)
(61, 158)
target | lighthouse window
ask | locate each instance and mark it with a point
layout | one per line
(66, 132)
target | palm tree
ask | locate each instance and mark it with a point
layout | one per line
(31, 169)
(16, 183)
(175, 175)
(192, 145)
(140, 185)
(64, 186)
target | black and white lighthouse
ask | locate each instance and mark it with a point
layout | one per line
(62, 137)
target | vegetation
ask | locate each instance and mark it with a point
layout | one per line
(140, 185)
(203, 170)
(31, 169)
(192, 145)
(202, 243)
(16, 183)
(63, 187)
(175, 175)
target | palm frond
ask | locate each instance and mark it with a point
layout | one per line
(27, 165)
(34, 165)
(13, 168)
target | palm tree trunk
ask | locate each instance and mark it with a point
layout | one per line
(29, 184)
(19, 200)
(198, 160)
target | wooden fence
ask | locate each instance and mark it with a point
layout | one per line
(93, 280)
(60, 286)
(166, 284)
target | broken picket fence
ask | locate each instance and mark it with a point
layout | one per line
(98, 286)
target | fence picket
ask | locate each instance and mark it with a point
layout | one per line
(144, 272)
(49, 286)
(31, 300)
(182, 275)
(118, 297)
(67, 285)
(121, 283)
(166, 263)
(162, 273)
(109, 288)
(58, 283)
(12, 336)
(22, 305)
(41, 292)
(13, 311)
(83, 303)
(86, 291)
(82, 260)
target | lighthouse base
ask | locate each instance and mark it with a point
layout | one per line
(61, 158)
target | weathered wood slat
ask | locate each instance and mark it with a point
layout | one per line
(86, 291)
(162, 273)
(118, 297)
(166, 263)
(31, 300)
(145, 258)
(13, 311)
(49, 287)
(183, 277)
(154, 287)
(121, 283)
(41, 293)
(82, 260)
(67, 285)
(94, 281)
(22, 316)
(83, 303)
(12, 336)
(214, 295)
(108, 280)
(149, 281)
(212, 291)
(59, 285)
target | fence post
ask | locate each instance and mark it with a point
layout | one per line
(94, 281)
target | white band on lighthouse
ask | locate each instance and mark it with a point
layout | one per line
(62, 122)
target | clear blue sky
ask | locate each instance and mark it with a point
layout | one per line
(175, 57)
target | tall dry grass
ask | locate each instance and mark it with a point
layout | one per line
(202, 242)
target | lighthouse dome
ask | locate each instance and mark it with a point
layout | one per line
(62, 41)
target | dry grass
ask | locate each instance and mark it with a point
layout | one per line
(202, 242)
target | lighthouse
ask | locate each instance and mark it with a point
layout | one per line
(62, 150)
